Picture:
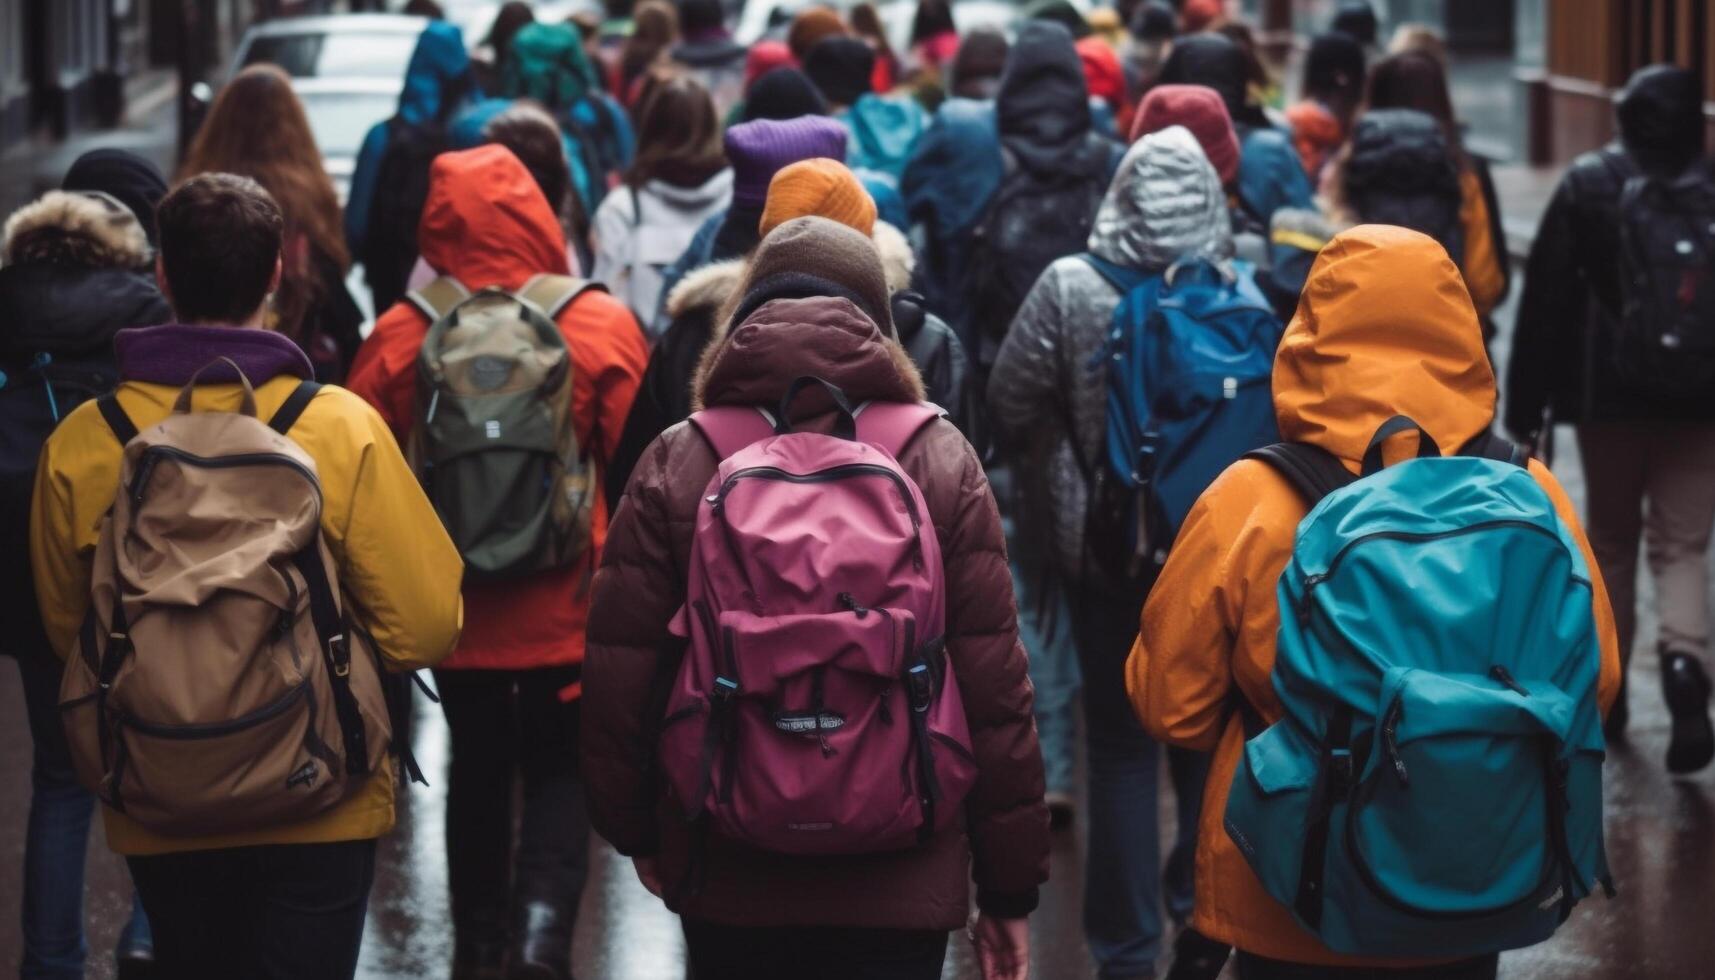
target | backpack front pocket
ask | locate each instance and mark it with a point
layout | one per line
(1270, 804)
(1462, 810)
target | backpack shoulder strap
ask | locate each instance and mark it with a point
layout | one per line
(729, 428)
(123, 428)
(1123, 280)
(438, 298)
(287, 414)
(1313, 471)
(552, 294)
(1487, 445)
(892, 425)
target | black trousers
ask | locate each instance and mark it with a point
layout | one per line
(281, 912)
(1253, 967)
(720, 952)
(508, 724)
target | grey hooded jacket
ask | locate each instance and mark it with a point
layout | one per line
(1047, 403)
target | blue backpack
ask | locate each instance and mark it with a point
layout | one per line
(1189, 363)
(1435, 788)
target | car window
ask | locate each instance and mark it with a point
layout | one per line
(324, 55)
(340, 120)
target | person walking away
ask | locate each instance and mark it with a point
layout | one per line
(810, 27)
(1397, 170)
(713, 265)
(257, 129)
(1149, 40)
(1332, 87)
(1106, 80)
(547, 64)
(1050, 416)
(391, 176)
(511, 689)
(1271, 176)
(654, 32)
(954, 172)
(73, 272)
(1646, 446)
(976, 69)
(815, 305)
(508, 21)
(1417, 80)
(867, 27)
(261, 868)
(1385, 342)
(679, 179)
(706, 50)
(1057, 170)
(884, 130)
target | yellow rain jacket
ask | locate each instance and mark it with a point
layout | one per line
(396, 563)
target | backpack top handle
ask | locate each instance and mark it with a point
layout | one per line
(182, 405)
(1426, 447)
(845, 425)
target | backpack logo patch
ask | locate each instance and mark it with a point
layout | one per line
(808, 722)
(304, 776)
(492, 428)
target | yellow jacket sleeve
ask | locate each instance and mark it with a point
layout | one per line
(1482, 265)
(1607, 635)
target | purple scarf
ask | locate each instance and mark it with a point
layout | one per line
(170, 354)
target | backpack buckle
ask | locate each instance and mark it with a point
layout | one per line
(339, 653)
(1340, 760)
(922, 686)
(725, 688)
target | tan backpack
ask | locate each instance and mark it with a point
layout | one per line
(217, 686)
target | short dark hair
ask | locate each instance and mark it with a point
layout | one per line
(534, 138)
(220, 238)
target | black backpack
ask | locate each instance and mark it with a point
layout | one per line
(401, 190)
(34, 396)
(1034, 218)
(1666, 339)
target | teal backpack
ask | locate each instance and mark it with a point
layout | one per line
(1435, 787)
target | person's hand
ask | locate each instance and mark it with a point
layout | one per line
(648, 874)
(1002, 945)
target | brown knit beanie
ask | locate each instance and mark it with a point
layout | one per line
(811, 26)
(818, 187)
(814, 256)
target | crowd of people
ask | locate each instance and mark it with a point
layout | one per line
(773, 450)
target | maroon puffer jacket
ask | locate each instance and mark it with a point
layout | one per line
(631, 659)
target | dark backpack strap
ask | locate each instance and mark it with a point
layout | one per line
(1487, 445)
(336, 652)
(287, 414)
(123, 428)
(1313, 471)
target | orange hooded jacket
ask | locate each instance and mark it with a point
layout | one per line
(1384, 327)
(486, 224)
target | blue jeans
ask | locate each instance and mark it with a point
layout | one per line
(57, 839)
(1124, 879)
(1044, 627)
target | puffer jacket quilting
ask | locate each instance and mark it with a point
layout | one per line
(1047, 404)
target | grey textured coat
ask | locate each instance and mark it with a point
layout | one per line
(1047, 404)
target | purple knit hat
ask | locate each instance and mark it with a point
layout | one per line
(760, 149)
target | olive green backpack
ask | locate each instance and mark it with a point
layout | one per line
(493, 441)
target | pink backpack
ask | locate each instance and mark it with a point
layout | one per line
(815, 711)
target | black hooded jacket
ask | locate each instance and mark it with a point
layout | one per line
(73, 277)
(1562, 356)
(1042, 110)
(1214, 61)
(1401, 172)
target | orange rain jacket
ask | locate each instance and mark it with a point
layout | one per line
(1384, 327)
(486, 224)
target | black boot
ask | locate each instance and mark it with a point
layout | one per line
(1197, 957)
(1685, 687)
(136, 961)
(541, 942)
(478, 959)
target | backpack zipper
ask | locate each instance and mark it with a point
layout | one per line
(216, 729)
(830, 475)
(1314, 579)
(151, 456)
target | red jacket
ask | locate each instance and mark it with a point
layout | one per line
(487, 224)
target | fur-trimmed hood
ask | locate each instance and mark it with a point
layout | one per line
(75, 228)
